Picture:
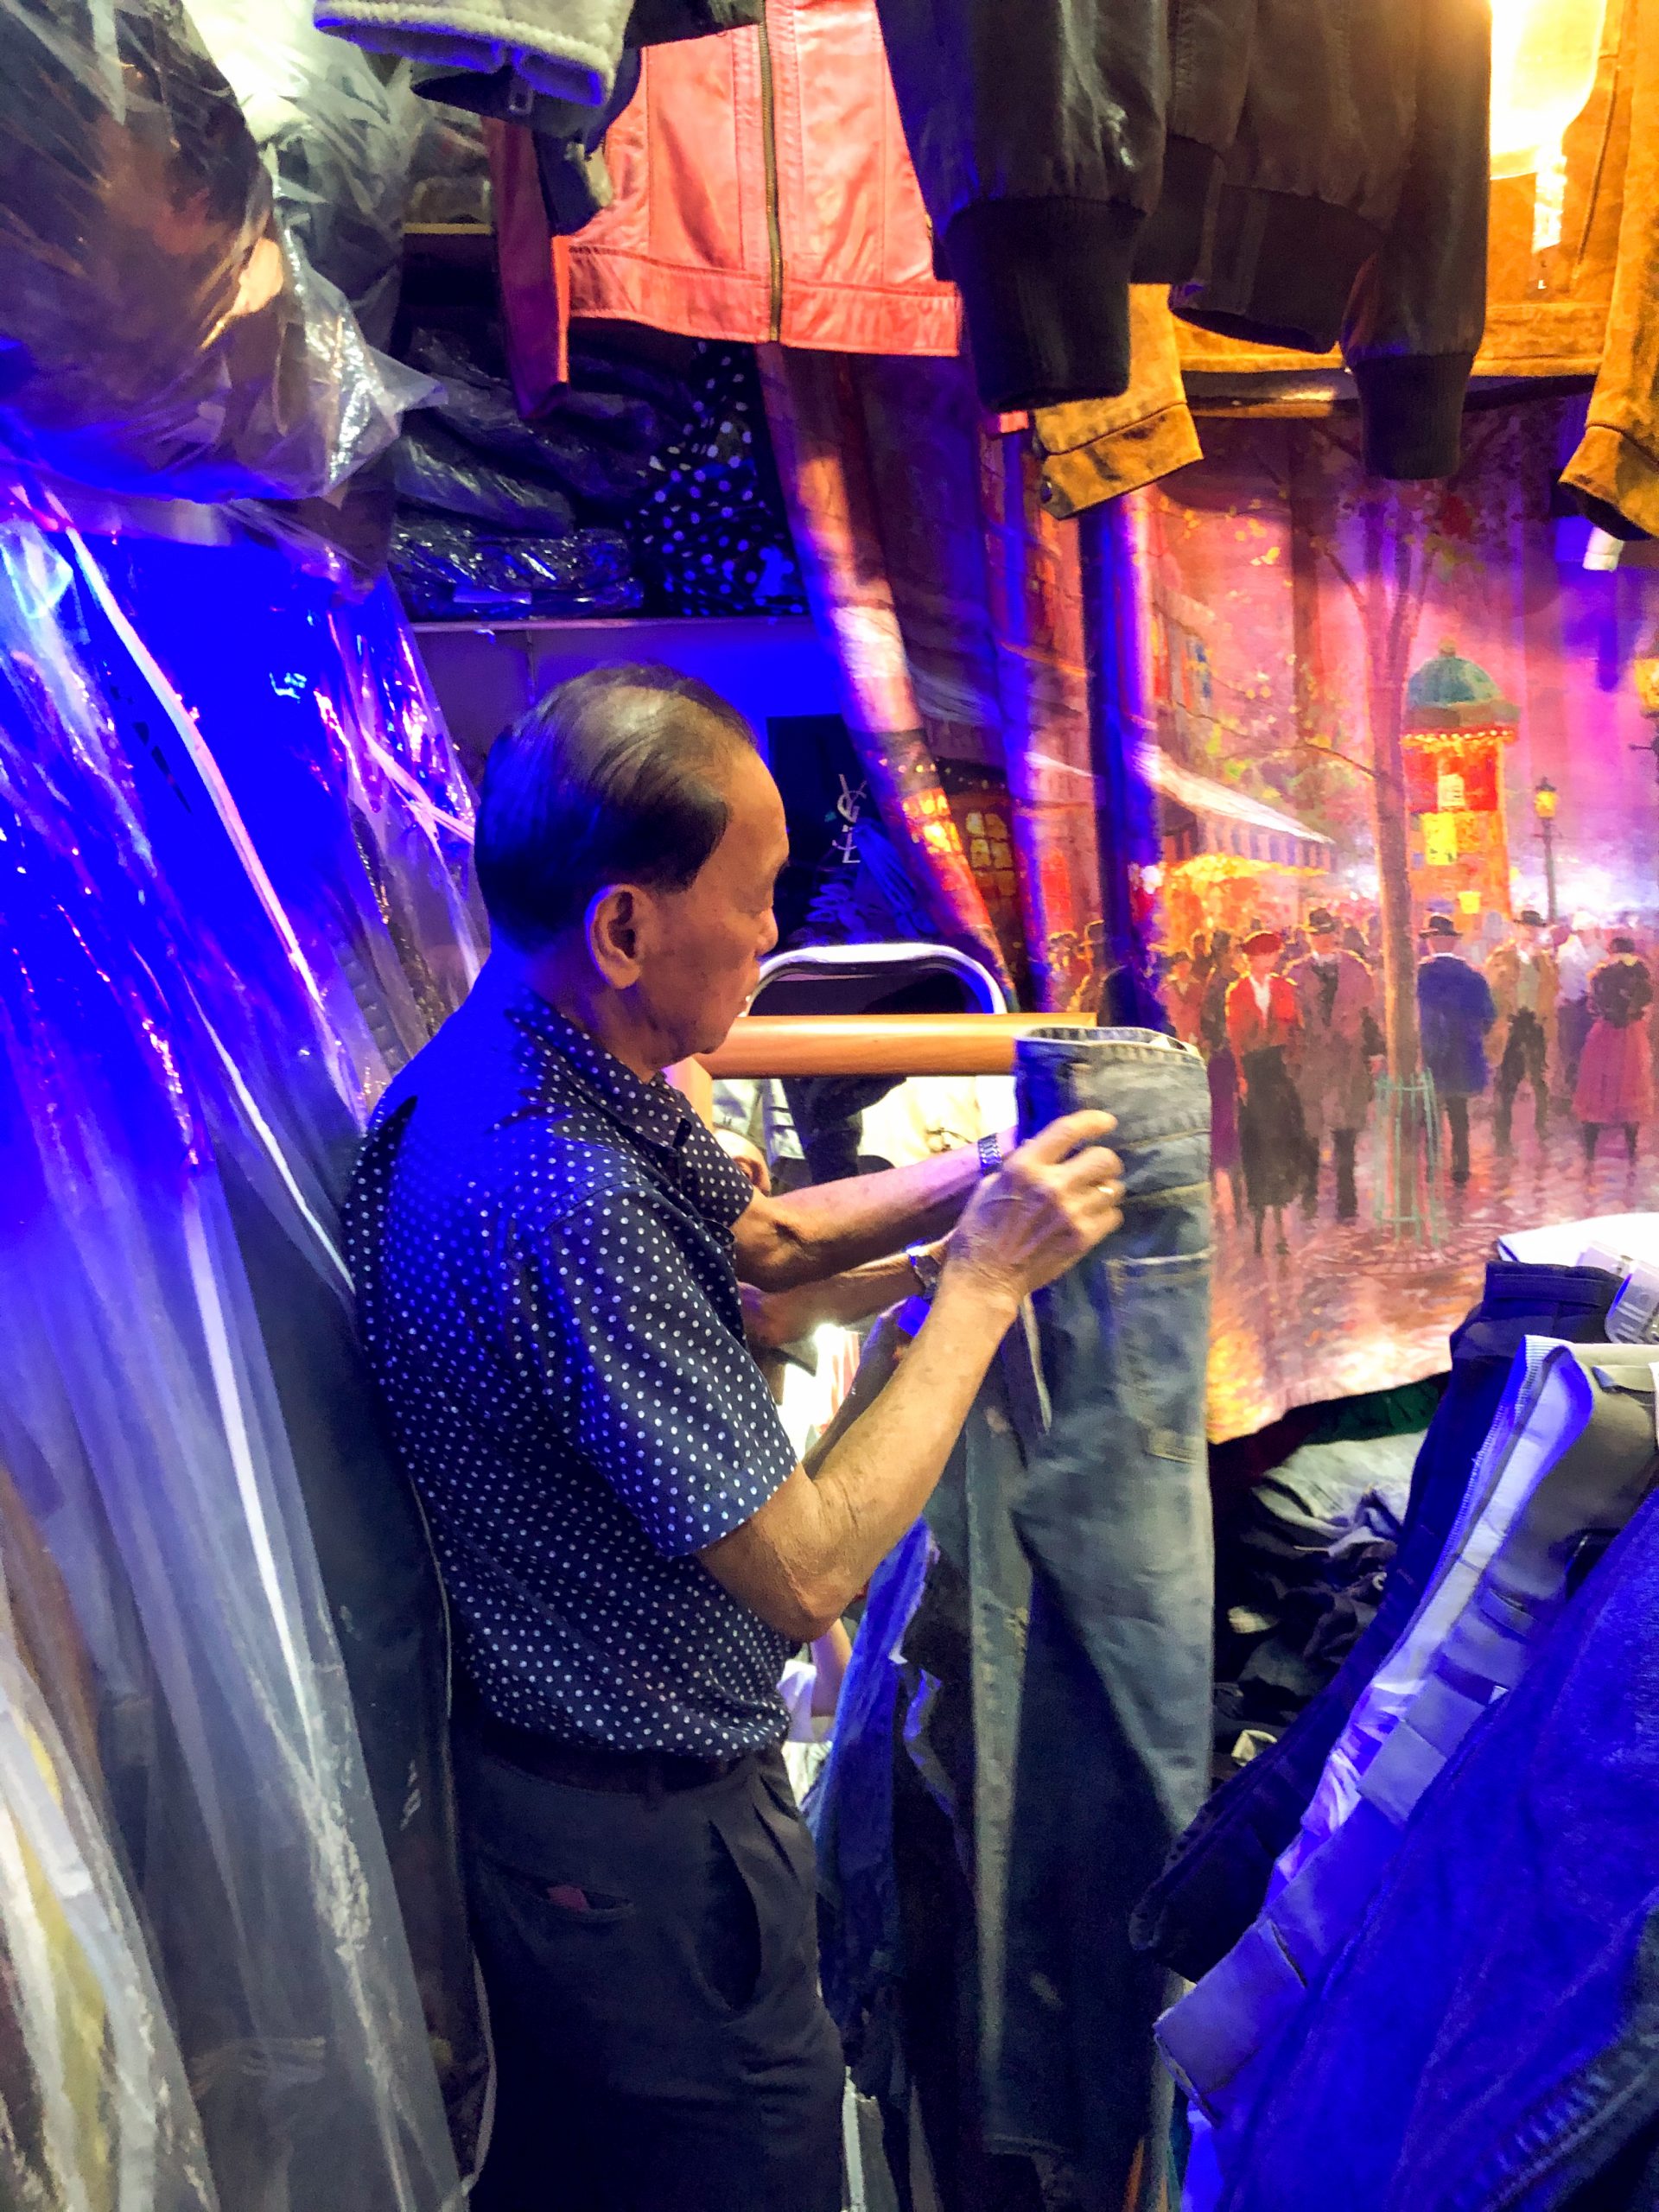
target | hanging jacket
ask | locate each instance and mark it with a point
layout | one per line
(1038, 133)
(1303, 173)
(1354, 208)
(763, 192)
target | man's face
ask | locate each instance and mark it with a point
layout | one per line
(1527, 935)
(1262, 965)
(1325, 945)
(700, 949)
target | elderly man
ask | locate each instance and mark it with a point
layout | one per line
(1336, 999)
(549, 1246)
(1525, 979)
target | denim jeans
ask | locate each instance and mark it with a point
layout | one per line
(1571, 1465)
(1217, 1878)
(1110, 1739)
(1492, 2038)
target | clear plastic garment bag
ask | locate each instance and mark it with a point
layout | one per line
(184, 1062)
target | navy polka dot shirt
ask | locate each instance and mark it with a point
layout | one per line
(543, 1251)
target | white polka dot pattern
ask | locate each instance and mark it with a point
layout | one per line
(541, 1245)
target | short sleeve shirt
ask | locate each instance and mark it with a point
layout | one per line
(541, 1244)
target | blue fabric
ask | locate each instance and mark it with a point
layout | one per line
(1572, 1463)
(1217, 1879)
(850, 1815)
(1111, 1504)
(1492, 2038)
(1456, 1008)
(542, 1248)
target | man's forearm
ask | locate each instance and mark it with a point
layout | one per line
(772, 1318)
(784, 1243)
(833, 1531)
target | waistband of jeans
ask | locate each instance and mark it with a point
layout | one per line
(1074, 1043)
(1540, 1287)
(1174, 1109)
(598, 1766)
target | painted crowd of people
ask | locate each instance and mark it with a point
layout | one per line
(1291, 1024)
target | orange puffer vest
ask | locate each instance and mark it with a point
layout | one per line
(764, 192)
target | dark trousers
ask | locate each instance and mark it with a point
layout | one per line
(1457, 1116)
(1525, 1057)
(650, 1962)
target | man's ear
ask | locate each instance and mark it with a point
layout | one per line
(612, 924)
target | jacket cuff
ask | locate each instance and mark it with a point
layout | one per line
(1411, 412)
(1044, 288)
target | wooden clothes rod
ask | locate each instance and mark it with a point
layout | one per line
(879, 1043)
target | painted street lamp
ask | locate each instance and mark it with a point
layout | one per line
(1543, 806)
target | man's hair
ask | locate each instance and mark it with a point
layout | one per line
(611, 778)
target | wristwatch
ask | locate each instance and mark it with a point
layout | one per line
(926, 1265)
(990, 1153)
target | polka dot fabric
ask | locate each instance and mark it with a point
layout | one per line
(710, 534)
(543, 1250)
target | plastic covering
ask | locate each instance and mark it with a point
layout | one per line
(436, 469)
(188, 1040)
(336, 131)
(160, 331)
(597, 445)
(95, 2111)
(448, 169)
(444, 570)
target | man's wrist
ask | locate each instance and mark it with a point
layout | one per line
(963, 1284)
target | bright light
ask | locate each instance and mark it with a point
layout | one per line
(1544, 57)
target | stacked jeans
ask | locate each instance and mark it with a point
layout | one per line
(1571, 1456)
(1492, 2038)
(1217, 1877)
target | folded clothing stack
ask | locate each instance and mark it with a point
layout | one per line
(499, 517)
(646, 486)
(1299, 1578)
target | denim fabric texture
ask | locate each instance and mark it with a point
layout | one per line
(1492, 2038)
(1217, 1878)
(1111, 1502)
(851, 1819)
(1572, 1465)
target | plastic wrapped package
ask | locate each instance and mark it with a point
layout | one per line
(179, 1396)
(447, 571)
(333, 758)
(449, 167)
(336, 130)
(95, 2111)
(436, 470)
(159, 331)
(573, 451)
(477, 402)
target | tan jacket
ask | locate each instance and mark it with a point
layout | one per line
(1504, 974)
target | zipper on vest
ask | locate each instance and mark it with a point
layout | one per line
(774, 226)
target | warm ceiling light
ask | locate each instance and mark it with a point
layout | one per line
(1544, 57)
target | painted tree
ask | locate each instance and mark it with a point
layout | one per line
(1388, 544)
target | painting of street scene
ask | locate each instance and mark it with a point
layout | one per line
(1406, 769)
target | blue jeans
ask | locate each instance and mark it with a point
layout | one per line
(1216, 1882)
(1108, 1719)
(1490, 2039)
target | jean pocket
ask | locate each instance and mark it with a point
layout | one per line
(1160, 1320)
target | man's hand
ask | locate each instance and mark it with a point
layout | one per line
(1051, 1203)
(809, 1550)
